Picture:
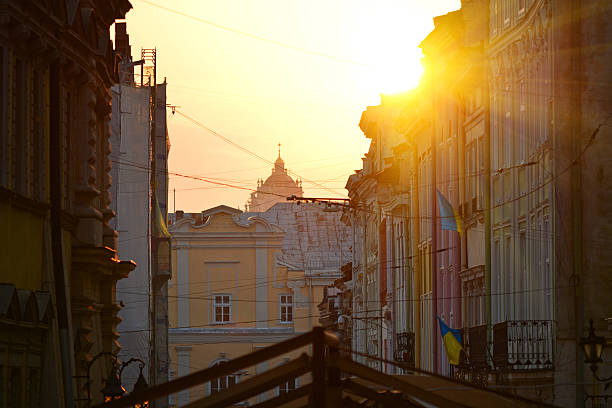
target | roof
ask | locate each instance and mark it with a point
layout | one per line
(315, 239)
(220, 208)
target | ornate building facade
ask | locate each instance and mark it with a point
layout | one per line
(275, 189)
(510, 125)
(57, 251)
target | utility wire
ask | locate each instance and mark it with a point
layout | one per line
(244, 149)
(258, 37)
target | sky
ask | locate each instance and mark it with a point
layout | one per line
(264, 72)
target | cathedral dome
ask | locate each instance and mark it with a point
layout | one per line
(279, 164)
(276, 188)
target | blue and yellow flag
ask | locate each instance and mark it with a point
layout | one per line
(449, 218)
(162, 230)
(452, 342)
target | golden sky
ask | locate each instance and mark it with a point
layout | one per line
(260, 93)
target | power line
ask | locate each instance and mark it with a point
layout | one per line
(409, 300)
(257, 37)
(244, 149)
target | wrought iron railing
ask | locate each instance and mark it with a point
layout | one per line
(404, 347)
(475, 345)
(473, 366)
(523, 344)
(598, 401)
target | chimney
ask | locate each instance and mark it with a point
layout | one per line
(124, 50)
(122, 41)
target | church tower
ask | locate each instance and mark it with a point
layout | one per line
(275, 189)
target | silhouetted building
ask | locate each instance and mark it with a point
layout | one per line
(57, 250)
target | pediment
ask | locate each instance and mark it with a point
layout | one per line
(27, 305)
(224, 219)
(75, 21)
(58, 9)
(71, 10)
(9, 302)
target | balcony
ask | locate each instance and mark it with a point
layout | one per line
(475, 345)
(598, 401)
(473, 367)
(523, 344)
(404, 348)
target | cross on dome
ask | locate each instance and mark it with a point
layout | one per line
(279, 164)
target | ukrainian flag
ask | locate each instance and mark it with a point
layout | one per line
(452, 342)
(449, 218)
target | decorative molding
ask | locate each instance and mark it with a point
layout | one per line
(189, 222)
(229, 335)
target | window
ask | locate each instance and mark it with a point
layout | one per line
(522, 121)
(4, 134)
(286, 308)
(221, 383)
(20, 137)
(222, 307)
(507, 133)
(287, 387)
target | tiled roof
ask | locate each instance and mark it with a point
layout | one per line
(315, 239)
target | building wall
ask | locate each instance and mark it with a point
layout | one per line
(57, 244)
(131, 146)
(215, 254)
(581, 58)
(512, 145)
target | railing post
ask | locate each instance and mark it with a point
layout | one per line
(317, 398)
(334, 386)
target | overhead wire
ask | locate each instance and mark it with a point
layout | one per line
(244, 149)
(257, 37)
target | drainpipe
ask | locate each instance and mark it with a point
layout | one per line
(434, 234)
(487, 193)
(57, 242)
(416, 259)
(575, 33)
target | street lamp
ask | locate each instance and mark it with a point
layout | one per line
(112, 386)
(593, 346)
(141, 383)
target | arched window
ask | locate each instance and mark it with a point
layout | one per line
(221, 383)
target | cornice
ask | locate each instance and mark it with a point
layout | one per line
(215, 335)
(271, 229)
(16, 200)
(514, 33)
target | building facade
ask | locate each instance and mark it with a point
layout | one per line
(504, 125)
(57, 249)
(245, 281)
(137, 123)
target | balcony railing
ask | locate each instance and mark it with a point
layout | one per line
(473, 366)
(475, 345)
(598, 401)
(523, 344)
(404, 347)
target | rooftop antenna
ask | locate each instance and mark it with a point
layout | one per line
(279, 146)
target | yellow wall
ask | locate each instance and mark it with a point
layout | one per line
(222, 259)
(21, 248)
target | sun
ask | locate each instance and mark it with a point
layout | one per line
(397, 75)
